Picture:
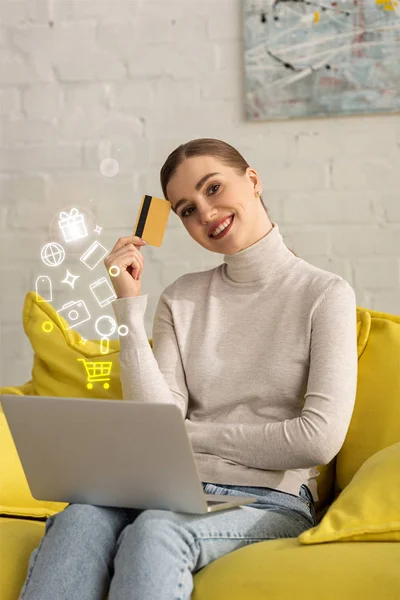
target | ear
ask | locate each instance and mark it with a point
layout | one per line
(253, 176)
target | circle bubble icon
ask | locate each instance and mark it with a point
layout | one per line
(114, 271)
(47, 326)
(109, 167)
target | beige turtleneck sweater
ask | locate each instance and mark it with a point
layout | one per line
(260, 355)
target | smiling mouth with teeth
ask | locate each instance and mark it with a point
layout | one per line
(227, 222)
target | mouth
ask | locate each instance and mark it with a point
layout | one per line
(224, 232)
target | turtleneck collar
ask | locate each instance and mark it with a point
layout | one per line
(261, 260)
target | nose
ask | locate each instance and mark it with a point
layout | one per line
(207, 213)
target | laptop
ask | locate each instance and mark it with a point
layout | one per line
(115, 453)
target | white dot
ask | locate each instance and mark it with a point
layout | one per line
(109, 167)
(123, 330)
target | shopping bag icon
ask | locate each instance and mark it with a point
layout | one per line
(72, 225)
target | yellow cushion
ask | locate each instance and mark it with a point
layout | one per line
(56, 368)
(368, 509)
(375, 423)
(283, 569)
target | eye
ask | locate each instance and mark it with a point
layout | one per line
(183, 215)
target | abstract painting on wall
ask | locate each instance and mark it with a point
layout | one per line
(322, 58)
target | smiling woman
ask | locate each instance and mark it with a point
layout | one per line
(259, 354)
(209, 182)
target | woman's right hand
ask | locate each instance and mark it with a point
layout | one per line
(126, 265)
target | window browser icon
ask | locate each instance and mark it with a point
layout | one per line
(93, 255)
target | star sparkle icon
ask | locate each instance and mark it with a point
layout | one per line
(70, 279)
(98, 229)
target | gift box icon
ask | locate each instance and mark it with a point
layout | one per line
(72, 225)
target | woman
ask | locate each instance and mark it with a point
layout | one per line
(260, 356)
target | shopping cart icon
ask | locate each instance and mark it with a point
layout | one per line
(97, 371)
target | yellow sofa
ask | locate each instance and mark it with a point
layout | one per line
(352, 553)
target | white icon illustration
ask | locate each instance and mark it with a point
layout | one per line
(52, 254)
(102, 291)
(108, 326)
(72, 225)
(98, 229)
(123, 330)
(70, 279)
(75, 313)
(44, 291)
(93, 255)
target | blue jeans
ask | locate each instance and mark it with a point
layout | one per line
(88, 551)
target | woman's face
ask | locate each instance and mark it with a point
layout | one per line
(221, 195)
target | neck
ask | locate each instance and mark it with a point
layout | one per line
(262, 260)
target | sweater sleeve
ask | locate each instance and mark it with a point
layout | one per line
(150, 375)
(317, 435)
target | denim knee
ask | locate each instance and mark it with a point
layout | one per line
(150, 524)
(86, 519)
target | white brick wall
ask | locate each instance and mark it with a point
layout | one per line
(145, 76)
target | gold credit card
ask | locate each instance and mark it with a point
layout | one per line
(152, 219)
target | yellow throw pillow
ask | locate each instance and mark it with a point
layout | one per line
(63, 365)
(368, 509)
(375, 423)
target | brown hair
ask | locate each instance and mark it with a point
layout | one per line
(227, 154)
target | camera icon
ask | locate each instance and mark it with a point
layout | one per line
(75, 313)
